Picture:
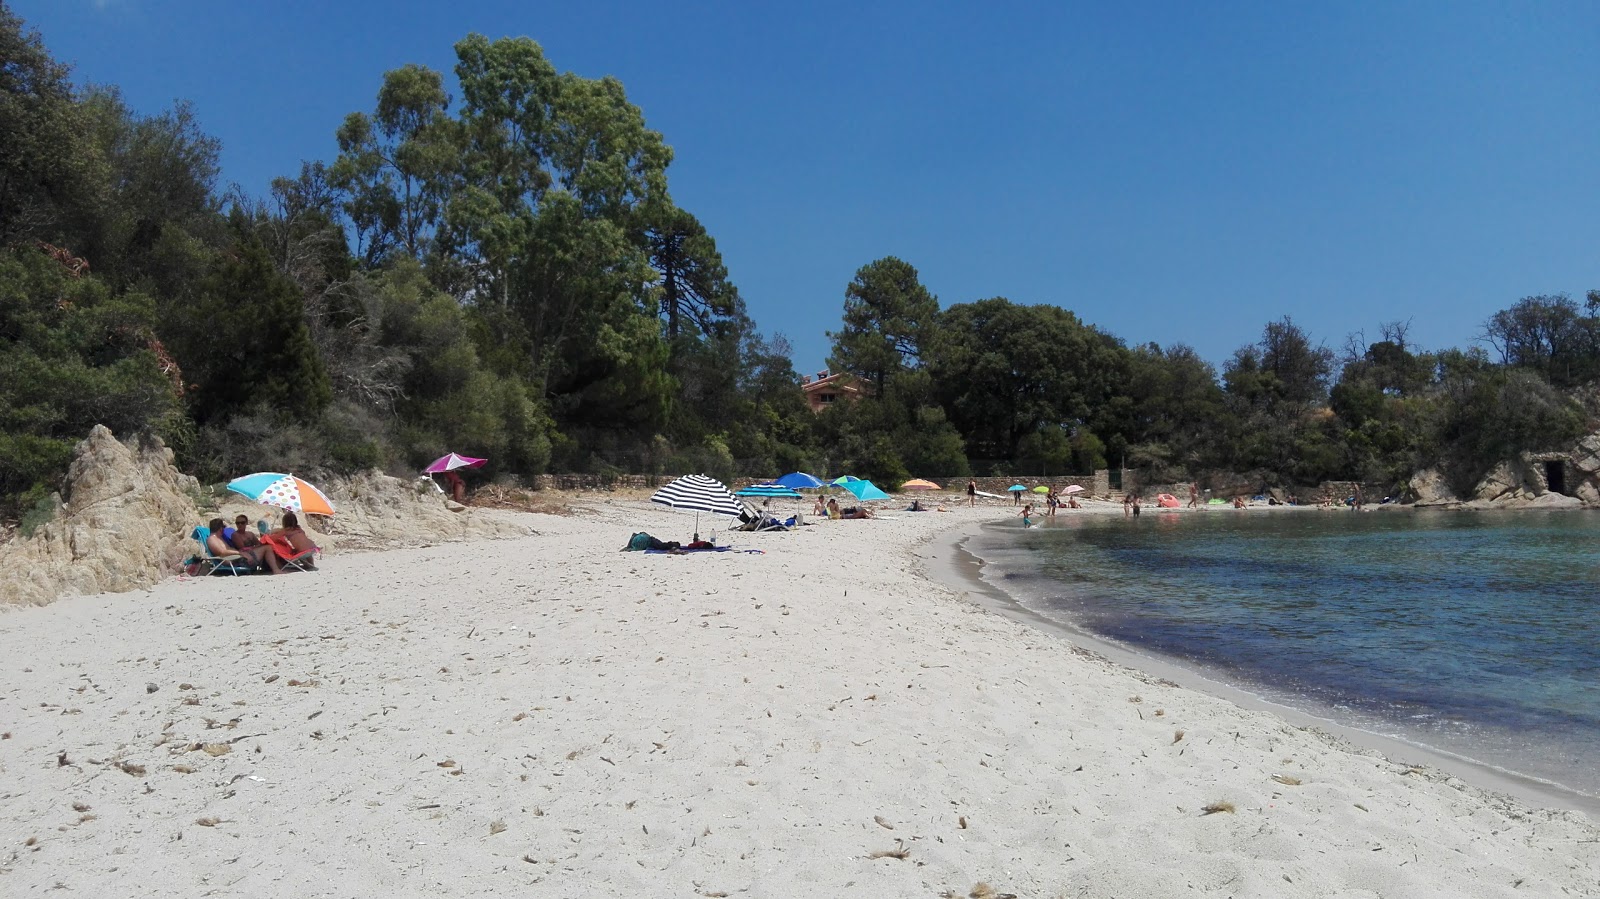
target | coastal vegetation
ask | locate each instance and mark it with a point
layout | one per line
(499, 267)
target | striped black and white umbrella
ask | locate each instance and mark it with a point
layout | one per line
(700, 493)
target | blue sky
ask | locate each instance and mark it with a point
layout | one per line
(1173, 172)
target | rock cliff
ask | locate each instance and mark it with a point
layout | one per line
(121, 524)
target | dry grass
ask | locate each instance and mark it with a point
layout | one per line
(882, 823)
(131, 768)
(1177, 737)
(1286, 780)
(208, 822)
(498, 825)
(1221, 805)
(80, 807)
(216, 749)
(183, 769)
(899, 851)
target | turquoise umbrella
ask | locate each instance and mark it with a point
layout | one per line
(866, 491)
(1017, 488)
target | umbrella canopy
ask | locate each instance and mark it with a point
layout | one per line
(773, 489)
(844, 479)
(920, 484)
(1017, 488)
(700, 493)
(451, 462)
(1073, 488)
(285, 491)
(1041, 490)
(866, 491)
(799, 480)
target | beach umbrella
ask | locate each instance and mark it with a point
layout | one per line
(1041, 490)
(773, 489)
(866, 491)
(1017, 488)
(1073, 488)
(285, 491)
(844, 479)
(920, 484)
(702, 494)
(799, 480)
(451, 462)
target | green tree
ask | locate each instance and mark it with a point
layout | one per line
(243, 340)
(1004, 371)
(49, 173)
(73, 354)
(396, 167)
(887, 317)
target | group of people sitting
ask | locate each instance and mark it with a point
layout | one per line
(264, 552)
(831, 509)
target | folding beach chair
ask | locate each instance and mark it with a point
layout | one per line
(304, 560)
(210, 564)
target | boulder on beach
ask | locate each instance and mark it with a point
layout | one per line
(121, 523)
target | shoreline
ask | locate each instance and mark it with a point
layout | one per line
(948, 560)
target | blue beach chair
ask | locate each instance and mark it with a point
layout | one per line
(210, 564)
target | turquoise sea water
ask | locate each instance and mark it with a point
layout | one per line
(1473, 633)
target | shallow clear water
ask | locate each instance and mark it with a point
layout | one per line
(1474, 633)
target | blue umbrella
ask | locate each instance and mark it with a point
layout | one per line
(844, 479)
(1017, 488)
(799, 480)
(773, 489)
(866, 491)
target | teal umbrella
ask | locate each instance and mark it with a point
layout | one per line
(866, 491)
(1017, 488)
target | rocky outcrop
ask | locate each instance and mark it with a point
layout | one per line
(124, 518)
(1430, 488)
(378, 511)
(121, 524)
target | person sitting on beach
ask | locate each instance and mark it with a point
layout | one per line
(1072, 502)
(833, 509)
(288, 540)
(217, 544)
(916, 506)
(820, 507)
(239, 536)
(1238, 502)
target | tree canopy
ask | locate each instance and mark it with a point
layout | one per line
(493, 263)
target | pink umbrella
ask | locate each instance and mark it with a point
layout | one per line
(451, 462)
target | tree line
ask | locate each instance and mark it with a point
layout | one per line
(504, 272)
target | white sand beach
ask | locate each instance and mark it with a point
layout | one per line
(547, 716)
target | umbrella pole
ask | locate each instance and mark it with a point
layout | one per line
(697, 525)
